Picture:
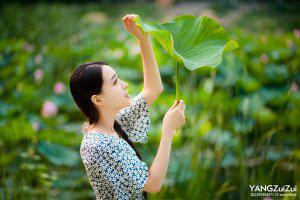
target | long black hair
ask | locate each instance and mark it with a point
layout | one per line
(87, 80)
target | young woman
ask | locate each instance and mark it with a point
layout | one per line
(113, 165)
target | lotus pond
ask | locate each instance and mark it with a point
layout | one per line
(242, 117)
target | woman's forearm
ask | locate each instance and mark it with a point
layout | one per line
(159, 167)
(152, 79)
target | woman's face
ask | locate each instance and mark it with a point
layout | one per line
(114, 90)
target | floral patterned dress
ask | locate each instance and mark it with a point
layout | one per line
(113, 168)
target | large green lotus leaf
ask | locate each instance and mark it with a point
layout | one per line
(196, 42)
(58, 154)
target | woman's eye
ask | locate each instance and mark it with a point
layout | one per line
(116, 79)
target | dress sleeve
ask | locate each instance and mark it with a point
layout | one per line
(125, 171)
(135, 119)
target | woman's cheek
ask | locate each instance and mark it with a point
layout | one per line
(117, 93)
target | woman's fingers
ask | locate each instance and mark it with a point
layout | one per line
(129, 17)
(127, 21)
(126, 17)
(181, 105)
(174, 105)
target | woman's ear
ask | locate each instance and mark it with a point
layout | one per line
(96, 100)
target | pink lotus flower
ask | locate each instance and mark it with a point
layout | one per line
(297, 33)
(35, 125)
(38, 75)
(59, 88)
(38, 59)
(264, 58)
(28, 47)
(294, 87)
(49, 109)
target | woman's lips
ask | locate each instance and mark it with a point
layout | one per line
(127, 96)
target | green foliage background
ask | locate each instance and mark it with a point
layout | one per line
(242, 118)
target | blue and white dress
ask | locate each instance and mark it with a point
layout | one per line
(113, 168)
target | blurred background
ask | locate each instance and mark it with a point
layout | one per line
(242, 118)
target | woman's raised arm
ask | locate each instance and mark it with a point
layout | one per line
(152, 80)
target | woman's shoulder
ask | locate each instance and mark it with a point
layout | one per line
(106, 145)
(97, 141)
(92, 142)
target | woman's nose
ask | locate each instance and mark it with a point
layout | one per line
(125, 85)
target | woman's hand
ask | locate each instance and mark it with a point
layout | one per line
(174, 118)
(131, 27)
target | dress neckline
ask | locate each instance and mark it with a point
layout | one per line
(116, 137)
